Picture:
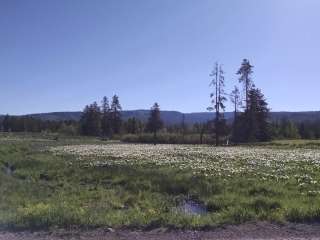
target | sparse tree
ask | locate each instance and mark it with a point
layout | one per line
(245, 72)
(235, 99)
(154, 122)
(218, 99)
(105, 119)
(183, 126)
(115, 115)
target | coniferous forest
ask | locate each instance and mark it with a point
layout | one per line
(251, 120)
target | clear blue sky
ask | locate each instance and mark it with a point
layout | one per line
(59, 55)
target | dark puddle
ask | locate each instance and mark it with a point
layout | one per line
(191, 207)
(8, 169)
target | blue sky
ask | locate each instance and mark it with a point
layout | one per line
(59, 55)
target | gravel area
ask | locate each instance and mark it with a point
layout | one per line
(246, 231)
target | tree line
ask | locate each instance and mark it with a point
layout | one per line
(106, 120)
(36, 125)
(283, 128)
(249, 125)
(251, 121)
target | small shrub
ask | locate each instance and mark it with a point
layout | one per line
(239, 215)
(264, 204)
(262, 191)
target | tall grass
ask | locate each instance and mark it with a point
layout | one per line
(46, 190)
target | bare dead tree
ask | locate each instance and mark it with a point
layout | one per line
(235, 99)
(217, 98)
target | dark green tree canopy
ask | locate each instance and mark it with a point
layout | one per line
(245, 72)
(105, 119)
(91, 120)
(154, 122)
(115, 115)
(253, 125)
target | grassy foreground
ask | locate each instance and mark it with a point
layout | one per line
(41, 189)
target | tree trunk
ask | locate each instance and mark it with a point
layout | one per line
(201, 137)
(155, 137)
(217, 108)
(217, 128)
(247, 89)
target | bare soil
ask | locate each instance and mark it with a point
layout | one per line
(260, 230)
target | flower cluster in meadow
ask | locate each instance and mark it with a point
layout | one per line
(265, 163)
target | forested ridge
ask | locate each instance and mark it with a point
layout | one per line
(250, 121)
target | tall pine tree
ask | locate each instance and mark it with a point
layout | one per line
(217, 100)
(245, 72)
(105, 119)
(253, 125)
(154, 122)
(115, 115)
(90, 121)
(236, 101)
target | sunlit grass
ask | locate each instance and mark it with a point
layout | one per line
(122, 185)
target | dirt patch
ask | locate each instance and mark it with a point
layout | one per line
(246, 231)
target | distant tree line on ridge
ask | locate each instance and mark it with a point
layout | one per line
(106, 121)
(251, 122)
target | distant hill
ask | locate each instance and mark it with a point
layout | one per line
(169, 117)
(174, 117)
(57, 116)
(297, 116)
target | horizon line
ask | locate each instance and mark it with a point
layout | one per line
(74, 111)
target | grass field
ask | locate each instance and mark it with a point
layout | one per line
(59, 182)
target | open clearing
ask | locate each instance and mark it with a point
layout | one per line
(92, 184)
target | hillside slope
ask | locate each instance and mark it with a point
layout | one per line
(174, 117)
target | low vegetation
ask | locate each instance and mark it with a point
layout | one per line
(46, 182)
(168, 138)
